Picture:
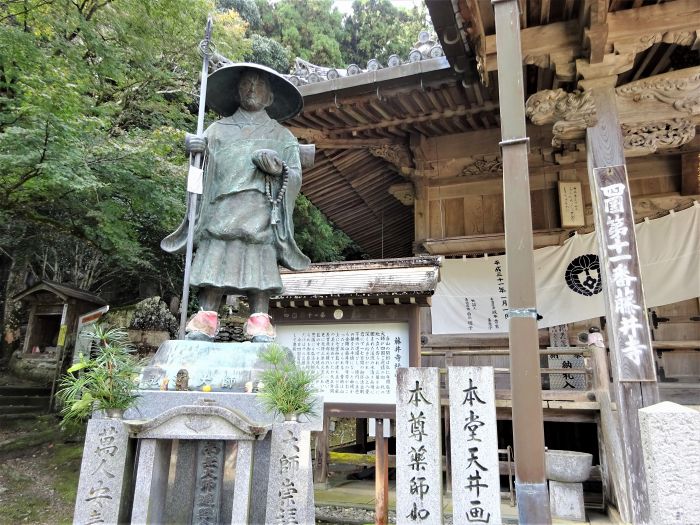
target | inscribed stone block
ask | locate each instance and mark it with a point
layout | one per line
(566, 500)
(151, 481)
(209, 482)
(289, 499)
(180, 497)
(418, 446)
(476, 489)
(103, 473)
(672, 462)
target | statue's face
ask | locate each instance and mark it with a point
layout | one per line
(254, 91)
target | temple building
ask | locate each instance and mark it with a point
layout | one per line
(409, 162)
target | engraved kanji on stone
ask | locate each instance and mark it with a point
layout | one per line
(474, 482)
(418, 514)
(419, 486)
(473, 459)
(99, 492)
(289, 464)
(417, 395)
(470, 395)
(418, 426)
(473, 423)
(418, 458)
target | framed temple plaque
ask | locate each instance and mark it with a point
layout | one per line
(571, 205)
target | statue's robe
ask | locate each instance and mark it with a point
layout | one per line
(237, 246)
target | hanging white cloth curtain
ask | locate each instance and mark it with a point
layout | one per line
(472, 294)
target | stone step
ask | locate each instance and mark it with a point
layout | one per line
(11, 390)
(20, 415)
(35, 401)
(18, 409)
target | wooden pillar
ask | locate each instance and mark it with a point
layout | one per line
(609, 446)
(629, 339)
(381, 474)
(528, 429)
(321, 453)
(361, 435)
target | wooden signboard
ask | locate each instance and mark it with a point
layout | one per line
(571, 205)
(355, 351)
(625, 308)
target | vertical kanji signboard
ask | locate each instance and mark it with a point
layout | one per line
(625, 308)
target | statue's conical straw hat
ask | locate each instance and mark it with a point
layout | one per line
(223, 98)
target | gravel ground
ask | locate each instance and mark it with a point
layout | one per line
(355, 516)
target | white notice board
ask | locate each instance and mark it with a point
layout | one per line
(356, 363)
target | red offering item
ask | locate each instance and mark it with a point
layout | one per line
(204, 322)
(259, 324)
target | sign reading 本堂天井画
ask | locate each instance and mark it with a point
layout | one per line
(476, 489)
(355, 363)
(472, 295)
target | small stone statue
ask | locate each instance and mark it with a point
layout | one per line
(252, 177)
(182, 380)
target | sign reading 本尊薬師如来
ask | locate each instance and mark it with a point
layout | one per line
(418, 447)
(355, 363)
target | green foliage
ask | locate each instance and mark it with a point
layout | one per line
(311, 29)
(286, 389)
(378, 29)
(316, 236)
(248, 10)
(269, 53)
(105, 381)
(92, 98)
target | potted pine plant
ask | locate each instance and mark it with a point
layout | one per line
(286, 389)
(103, 381)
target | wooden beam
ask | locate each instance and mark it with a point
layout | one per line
(690, 173)
(323, 141)
(413, 120)
(623, 26)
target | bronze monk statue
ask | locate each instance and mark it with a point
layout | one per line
(252, 176)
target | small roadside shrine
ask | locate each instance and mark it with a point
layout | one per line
(54, 312)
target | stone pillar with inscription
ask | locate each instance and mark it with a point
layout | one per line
(290, 497)
(476, 489)
(418, 446)
(672, 462)
(105, 474)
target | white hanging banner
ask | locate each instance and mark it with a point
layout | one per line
(472, 296)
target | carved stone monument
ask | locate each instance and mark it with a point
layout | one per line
(476, 490)
(418, 446)
(196, 458)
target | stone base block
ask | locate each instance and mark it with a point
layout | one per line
(566, 500)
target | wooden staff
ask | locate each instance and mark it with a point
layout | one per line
(194, 177)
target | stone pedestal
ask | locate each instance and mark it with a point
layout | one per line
(218, 443)
(566, 471)
(290, 497)
(566, 500)
(671, 445)
(104, 475)
(216, 367)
